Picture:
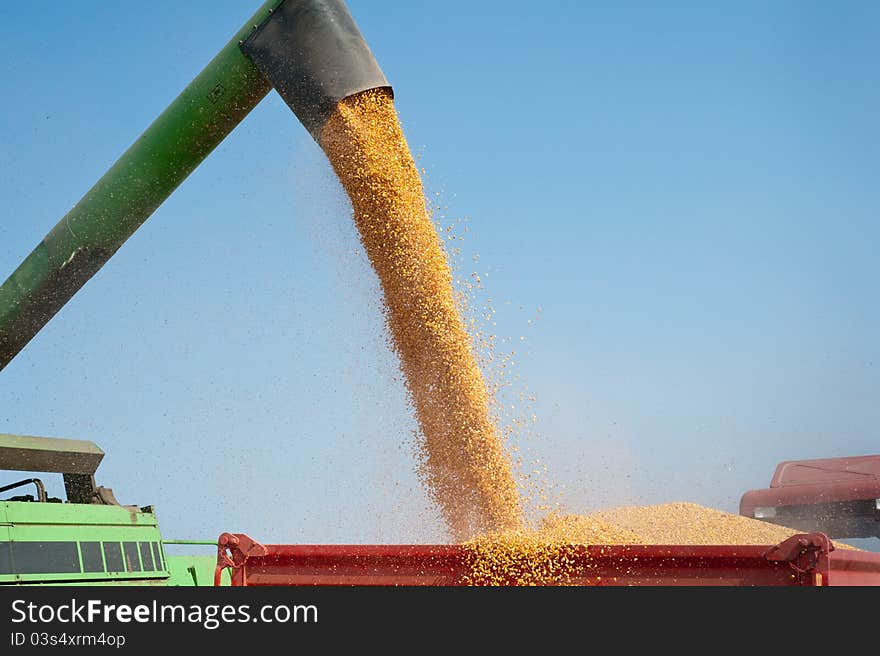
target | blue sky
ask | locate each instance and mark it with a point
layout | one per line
(684, 196)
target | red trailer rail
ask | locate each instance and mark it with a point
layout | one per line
(807, 560)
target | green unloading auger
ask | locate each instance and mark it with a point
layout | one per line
(310, 51)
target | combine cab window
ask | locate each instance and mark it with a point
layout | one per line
(159, 558)
(45, 557)
(113, 556)
(91, 556)
(132, 560)
(5, 558)
(146, 556)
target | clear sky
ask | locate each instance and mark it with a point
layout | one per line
(683, 195)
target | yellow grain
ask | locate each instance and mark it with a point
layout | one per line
(465, 466)
(544, 556)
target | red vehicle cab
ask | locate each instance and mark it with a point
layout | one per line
(837, 496)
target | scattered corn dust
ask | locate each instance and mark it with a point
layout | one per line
(464, 464)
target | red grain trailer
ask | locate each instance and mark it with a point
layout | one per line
(802, 560)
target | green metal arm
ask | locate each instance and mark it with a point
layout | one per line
(311, 51)
(146, 174)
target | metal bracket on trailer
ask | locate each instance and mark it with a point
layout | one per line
(806, 554)
(233, 550)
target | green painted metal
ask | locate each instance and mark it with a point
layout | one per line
(146, 174)
(20, 514)
(36, 528)
(39, 529)
(49, 454)
(55, 543)
(195, 570)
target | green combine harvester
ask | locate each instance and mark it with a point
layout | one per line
(88, 539)
(313, 54)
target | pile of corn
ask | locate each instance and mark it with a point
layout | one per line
(546, 555)
(463, 463)
(689, 523)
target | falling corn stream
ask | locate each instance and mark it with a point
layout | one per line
(465, 467)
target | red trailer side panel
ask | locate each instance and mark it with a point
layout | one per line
(853, 568)
(801, 560)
